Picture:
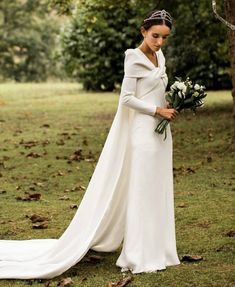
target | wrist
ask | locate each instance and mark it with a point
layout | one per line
(158, 111)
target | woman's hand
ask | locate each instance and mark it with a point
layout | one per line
(167, 113)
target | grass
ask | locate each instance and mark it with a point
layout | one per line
(59, 119)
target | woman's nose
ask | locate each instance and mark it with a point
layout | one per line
(160, 41)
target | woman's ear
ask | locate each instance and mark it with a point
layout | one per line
(142, 31)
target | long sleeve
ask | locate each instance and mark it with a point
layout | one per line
(128, 98)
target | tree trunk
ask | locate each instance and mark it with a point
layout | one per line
(230, 17)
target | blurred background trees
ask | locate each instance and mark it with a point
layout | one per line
(37, 43)
(27, 40)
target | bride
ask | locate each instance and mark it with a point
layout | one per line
(129, 199)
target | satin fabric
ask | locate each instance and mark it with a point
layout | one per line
(129, 198)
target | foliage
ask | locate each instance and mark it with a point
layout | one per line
(94, 40)
(198, 47)
(27, 40)
(100, 31)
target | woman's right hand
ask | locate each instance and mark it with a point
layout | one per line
(167, 113)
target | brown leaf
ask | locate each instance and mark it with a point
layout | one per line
(60, 173)
(182, 205)
(73, 206)
(231, 233)
(78, 188)
(77, 155)
(37, 218)
(41, 225)
(64, 198)
(28, 144)
(29, 197)
(60, 142)
(92, 259)
(122, 283)
(45, 126)
(33, 155)
(38, 184)
(85, 142)
(65, 282)
(191, 258)
(209, 159)
(45, 142)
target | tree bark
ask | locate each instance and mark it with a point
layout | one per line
(230, 17)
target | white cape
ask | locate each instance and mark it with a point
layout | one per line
(99, 222)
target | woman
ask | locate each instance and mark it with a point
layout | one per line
(130, 194)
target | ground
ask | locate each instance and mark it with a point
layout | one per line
(51, 136)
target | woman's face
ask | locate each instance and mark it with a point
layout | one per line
(155, 36)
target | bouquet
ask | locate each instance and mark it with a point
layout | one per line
(182, 95)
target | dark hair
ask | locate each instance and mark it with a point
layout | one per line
(150, 23)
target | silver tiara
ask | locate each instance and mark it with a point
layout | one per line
(161, 14)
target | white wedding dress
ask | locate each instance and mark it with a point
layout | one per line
(129, 197)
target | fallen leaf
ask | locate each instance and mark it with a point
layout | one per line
(28, 144)
(45, 142)
(182, 205)
(38, 184)
(33, 155)
(191, 258)
(231, 233)
(77, 155)
(85, 142)
(60, 142)
(41, 225)
(73, 206)
(78, 188)
(92, 259)
(37, 218)
(65, 282)
(122, 283)
(30, 197)
(64, 198)
(209, 159)
(60, 173)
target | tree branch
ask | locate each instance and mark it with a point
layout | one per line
(231, 26)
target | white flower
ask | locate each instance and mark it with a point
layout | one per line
(195, 94)
(174, 86)
(197, 87)
(181, 86)
(202, 88)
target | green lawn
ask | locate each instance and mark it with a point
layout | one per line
(42, 125)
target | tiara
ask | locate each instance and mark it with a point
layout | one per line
(161, 14)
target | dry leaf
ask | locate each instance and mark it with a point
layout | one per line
(231, 233)
(28, 144)
(73, 206)
(191, 258)
(37, 218)
(182, 205)
(33, 155)
(29, 197)
(77, 155)
(64, 198)
(41, 225)
(92, 259)
(122, 283)
(65, 282)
